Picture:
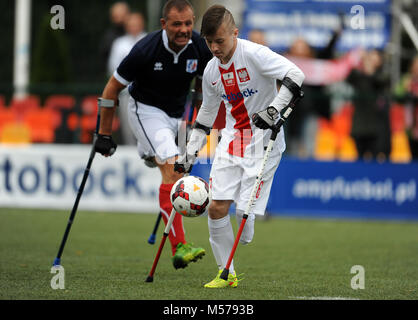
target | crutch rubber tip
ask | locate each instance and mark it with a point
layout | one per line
(151, 239)
(149, 279)
(57, 262)
(224, 274)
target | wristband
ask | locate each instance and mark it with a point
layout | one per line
(197, 125)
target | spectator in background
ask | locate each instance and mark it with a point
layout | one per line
(406, 92)
(370, 124)
(301, 48)
(257, 36)
(118, 14)
(302, 129)
(135, 31)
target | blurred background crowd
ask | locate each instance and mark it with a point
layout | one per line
(361, 101)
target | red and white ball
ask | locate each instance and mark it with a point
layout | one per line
(190, 196)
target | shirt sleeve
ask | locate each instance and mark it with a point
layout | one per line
(210, 104)
(271, 64)
(128, 68)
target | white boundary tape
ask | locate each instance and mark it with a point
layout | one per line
(323, 298)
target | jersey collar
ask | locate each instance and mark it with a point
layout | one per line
(175, 55)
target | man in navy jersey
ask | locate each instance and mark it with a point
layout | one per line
(159, 71)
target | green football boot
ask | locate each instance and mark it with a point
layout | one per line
(185, 254)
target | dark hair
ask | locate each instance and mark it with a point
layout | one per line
(213, 18)
(180, 5)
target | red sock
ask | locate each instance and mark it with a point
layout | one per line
(165, 206)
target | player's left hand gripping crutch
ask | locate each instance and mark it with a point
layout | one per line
(107, 140)
(275, 130)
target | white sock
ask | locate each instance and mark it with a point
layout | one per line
(221, 238)
(248, 231)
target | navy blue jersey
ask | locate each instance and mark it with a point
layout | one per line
(159, 77)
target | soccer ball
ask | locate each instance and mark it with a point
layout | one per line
(190, 196)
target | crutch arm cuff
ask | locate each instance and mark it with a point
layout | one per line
(107, 103)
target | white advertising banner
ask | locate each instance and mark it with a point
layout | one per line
(49, 176)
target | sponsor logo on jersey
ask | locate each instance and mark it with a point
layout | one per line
(158, 66)
(191, 65)
(229, 78)
(236, 96)
(243, 75)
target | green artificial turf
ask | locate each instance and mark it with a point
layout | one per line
(107, 257)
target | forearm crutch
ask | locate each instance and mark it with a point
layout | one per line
(57, 260)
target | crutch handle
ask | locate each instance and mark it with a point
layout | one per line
(284, 114)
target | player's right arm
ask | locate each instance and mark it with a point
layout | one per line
(211, 98)
(122, 76)
(275, 66)
(110, 92)
(202, 125)
(104, 143)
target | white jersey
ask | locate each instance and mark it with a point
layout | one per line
(246, 84)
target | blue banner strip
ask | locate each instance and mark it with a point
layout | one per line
(341, 189)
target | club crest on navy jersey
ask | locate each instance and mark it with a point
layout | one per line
(191, 65)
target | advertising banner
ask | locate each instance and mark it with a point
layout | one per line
(358, 189)
(341, 189)
(48, 176)
(367, 23)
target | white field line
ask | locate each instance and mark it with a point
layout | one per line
(323, 298)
